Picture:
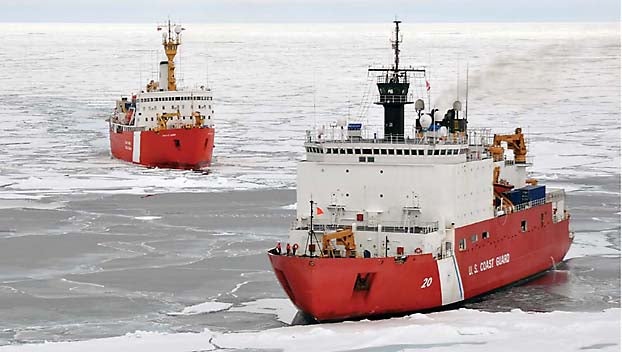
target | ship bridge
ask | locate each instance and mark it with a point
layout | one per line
(358, 145)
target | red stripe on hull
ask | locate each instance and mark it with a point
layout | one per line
(325, 287)
(173, 148)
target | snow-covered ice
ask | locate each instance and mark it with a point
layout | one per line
(460, 330)
(203, 308)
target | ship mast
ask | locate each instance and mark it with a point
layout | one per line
(171, 39)
(393, 84)
(396, 45)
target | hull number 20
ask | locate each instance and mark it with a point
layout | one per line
(427, 282)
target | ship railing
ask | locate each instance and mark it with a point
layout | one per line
(554, 195)
(394, 98)
(389, 79)
(117, 127)
(527, 205)
(371, 138)
(419, 228)
(480, 137)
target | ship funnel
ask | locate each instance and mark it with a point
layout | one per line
(163, 75)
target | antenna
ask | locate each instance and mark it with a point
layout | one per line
(206, 66)
(458, 80)
(466, 106)
(396, 45)
(314, 114)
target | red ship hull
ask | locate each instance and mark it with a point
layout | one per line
(330, 288)
(173, 148)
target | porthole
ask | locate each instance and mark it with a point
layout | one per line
(381, 195)
(381, 171)
(347, 170)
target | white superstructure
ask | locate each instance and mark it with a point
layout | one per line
(401, 193)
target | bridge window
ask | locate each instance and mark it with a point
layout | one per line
(357, 151)
(420, 151)
(371, 159)
(391, 151)
(328, 150)
(349, 150)
(406, 152)
(376, 151)
(443, 152)
(430, 151)
(366, 151)
(361, 159)
(436, 152)
(335, 151)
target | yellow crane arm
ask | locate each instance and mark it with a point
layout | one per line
(343, 237)
(515, 141)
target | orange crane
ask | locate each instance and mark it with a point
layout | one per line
(515, 141)
(342, 237)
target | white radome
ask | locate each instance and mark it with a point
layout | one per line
(178, 29)
(443, 131)
(342, 122)
(426, 121)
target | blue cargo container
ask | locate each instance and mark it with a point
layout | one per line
(515, 196)
(526, 194)
(531, 193)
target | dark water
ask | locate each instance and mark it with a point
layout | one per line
(85, 266)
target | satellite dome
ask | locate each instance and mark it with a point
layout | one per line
(425, 121)
(442, 131)
(342, 122)
(419, 105)
(457, 105)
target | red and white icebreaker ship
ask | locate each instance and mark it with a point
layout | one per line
(163, 126)
(416, 218)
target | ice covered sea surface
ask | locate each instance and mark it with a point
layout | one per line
(121, 257)
(560, 82)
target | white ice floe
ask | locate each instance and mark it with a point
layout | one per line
(462, 330)
(591, 244)
(290, 207)
(202, 308)
(284, 310)
(147, 217)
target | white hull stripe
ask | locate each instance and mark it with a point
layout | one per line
(136, 147)
(451, 285)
